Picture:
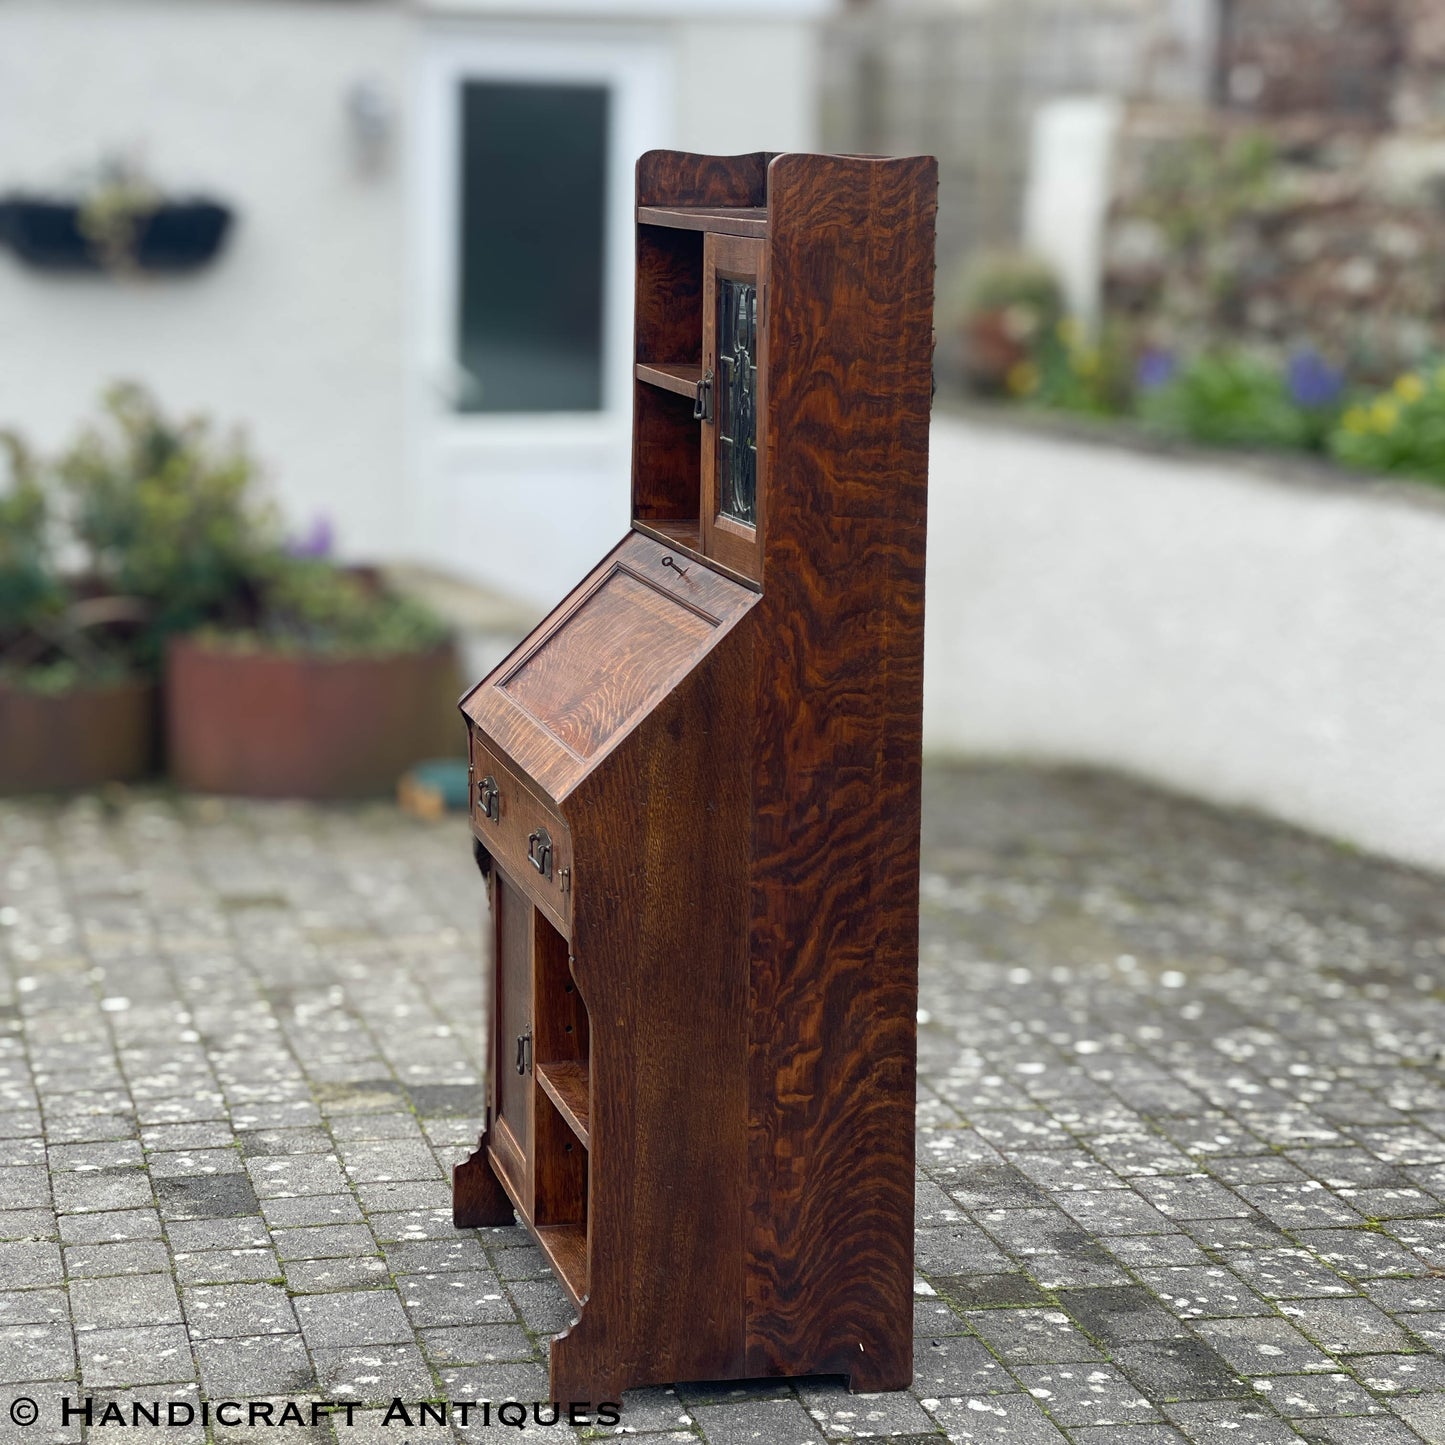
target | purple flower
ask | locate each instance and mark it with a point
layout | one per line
(316, 543)
(1313, 383)
(1155, 368)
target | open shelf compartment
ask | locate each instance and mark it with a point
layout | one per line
(561, 1107)
(681, 377)
(567, 1083)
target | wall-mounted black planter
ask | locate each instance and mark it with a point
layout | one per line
(176, 236)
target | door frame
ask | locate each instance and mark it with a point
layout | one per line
(633, 65)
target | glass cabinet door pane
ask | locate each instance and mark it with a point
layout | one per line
(737, 381)
(533, 192)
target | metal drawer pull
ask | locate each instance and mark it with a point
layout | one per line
(489, 797)
(524, 1052)
(539, 851)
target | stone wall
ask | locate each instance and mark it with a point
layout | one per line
(963, 81)
(1374, 63)
(1277, 233)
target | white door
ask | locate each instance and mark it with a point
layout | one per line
(521, 408)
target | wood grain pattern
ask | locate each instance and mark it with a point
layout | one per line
(682, 178)
(722, 1144)
(663, 918)
(561, 1015)
(719, 220)
(507, 837)
(837, 772)
(512, 1092)
(568, 1084)
(679, 377)
(565, 1246)
(479, 1200)
(559, 1167)
(666, 454)
(668, 318)
(528, 748)
(621, 650)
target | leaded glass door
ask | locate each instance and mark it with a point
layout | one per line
(732, 447)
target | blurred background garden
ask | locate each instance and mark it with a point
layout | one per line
(315, 370)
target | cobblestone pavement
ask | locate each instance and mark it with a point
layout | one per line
(1181, 1147)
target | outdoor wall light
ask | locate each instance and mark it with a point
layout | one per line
(371, 118)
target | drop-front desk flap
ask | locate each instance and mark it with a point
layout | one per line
(608, 654)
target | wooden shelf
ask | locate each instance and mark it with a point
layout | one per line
(729, 220)
(683, 531)
(670, 376)
(565, 1246)
(566, 1082)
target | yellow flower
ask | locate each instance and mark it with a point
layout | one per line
(1409, 387)
(1023, 378)
(1355, 420)
(1070, 332)
(1086, 361)
(1384, 414)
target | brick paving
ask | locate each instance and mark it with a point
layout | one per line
(1181, 1131)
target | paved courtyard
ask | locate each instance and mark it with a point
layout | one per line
(1181, 1131)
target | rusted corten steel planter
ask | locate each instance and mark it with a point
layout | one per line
(279, 725)
(77, 739)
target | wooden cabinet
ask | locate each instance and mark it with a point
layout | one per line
(696, 793)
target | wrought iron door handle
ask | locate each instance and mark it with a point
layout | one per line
(702, 402)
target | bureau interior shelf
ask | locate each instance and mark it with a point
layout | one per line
(567, 1084)
(729, 220)
(680, 531)
(681, 377)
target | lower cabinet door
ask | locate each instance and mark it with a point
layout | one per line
(512, 1055)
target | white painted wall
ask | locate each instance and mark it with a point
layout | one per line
(530, 503)
(296, 331)
(1273, 643)
(312, 328)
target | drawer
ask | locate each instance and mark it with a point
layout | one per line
(528, 841)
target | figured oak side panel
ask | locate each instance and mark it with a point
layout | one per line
(660, 946)
(837, 782)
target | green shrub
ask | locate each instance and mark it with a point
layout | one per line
(1401, 430)
(992, 280)
(168, 515)
(1002, 303)
(30, 591)
(1232, 400)
(1073, 371)
(171, 536)
(311, 605)
(171, 515)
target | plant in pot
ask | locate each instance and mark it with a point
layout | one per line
(1008, 301)
(285, 675)
(119, 222)
(77, 702)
